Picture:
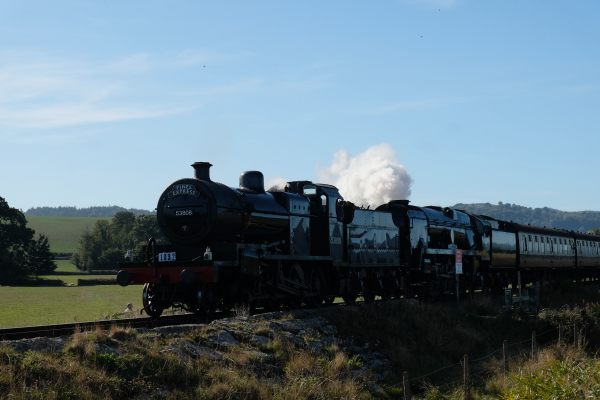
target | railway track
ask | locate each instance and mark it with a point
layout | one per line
(146, 322)
(56, 330)
(68, 329)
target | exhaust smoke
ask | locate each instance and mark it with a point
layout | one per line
(371, 178)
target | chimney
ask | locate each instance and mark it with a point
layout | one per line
(202, 170)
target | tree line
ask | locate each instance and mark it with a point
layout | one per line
(98, 211)
(21, 252)
(105, 245)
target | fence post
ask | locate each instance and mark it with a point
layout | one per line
(533, 344)
(467, 394)
(505, 356)
(406, 386)
(560, 334)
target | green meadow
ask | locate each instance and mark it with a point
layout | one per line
(63, 232)
(41, 305)
(58, 299)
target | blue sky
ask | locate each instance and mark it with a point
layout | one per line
(482, 101)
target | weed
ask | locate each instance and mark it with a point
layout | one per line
(241, 310)
(122, 334)
(230, 384)
(355, 362)
(301, 363)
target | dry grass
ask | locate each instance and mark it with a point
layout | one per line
(420, 338)
(556, 373)
(120, 363)
(230, 384)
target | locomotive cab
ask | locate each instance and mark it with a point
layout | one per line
(326, 229)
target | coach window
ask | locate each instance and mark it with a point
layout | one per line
(309, 190)
(471, 239)
(587, 247)
(440, 237)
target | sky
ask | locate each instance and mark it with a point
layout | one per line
(108, 102)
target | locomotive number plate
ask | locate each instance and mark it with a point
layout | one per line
(167, 257)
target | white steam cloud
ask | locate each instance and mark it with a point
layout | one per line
(276, 184)
(373, 177)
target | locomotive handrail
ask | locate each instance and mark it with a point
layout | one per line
(151, 250)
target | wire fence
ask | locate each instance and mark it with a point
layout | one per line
(468, 372)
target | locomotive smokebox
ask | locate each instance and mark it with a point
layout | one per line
(202, 170)
(253, 181)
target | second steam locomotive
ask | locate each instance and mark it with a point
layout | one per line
(305, 244)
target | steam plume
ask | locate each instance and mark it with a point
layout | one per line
(276, 184)
(372, 177)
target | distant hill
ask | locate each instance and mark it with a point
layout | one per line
(548, 217)
(63, 232)
(97, 212)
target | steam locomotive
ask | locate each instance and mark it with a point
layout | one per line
(306, 244)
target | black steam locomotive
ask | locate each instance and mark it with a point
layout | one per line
(307, 245)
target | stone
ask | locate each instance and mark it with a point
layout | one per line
(329, 330)
(258, 340)
(222, 338)
(44, 344)
(177, 329)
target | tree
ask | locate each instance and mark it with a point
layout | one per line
(121, 225)
(105, 246)
(15, 238)
(39, 257)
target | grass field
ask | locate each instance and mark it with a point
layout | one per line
(58, 299)
(66, 272)
(63, 232)
(64, 267)
(53, 304)
(40, 305)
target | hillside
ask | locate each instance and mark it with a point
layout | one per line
(549, 217)
(64, 225)
(63, 232)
